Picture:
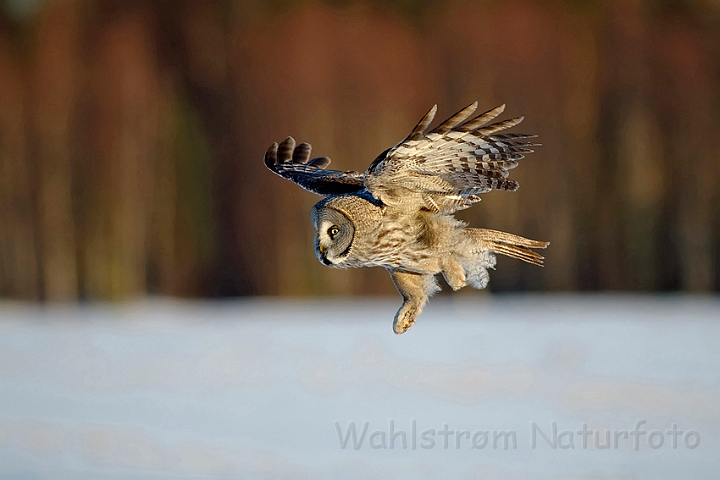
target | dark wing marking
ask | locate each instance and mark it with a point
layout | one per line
(292, 162)
(446, 168)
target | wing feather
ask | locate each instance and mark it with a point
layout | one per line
(301, 154)
(292, 163)
(456, 119)
(497, 127)
(320, 162)
(448, 167)
(422, 125)
(482, 119)
(444, 169)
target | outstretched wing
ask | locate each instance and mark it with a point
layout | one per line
(293, 163)
(447, 168)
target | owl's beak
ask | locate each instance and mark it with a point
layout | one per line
(323, 259)
(321, 255)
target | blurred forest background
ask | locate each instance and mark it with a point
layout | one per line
(132, 135)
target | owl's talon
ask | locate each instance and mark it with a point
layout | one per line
(404, 319)
(401, 327)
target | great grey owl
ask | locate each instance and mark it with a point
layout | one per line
(398, 214)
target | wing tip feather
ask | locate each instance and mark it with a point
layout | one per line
(271, 156)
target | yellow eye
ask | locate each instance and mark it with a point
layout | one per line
(332, 231)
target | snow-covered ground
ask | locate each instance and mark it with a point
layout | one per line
(272, 389)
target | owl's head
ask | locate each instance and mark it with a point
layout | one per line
(334, 234)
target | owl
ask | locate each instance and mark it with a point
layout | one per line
(399, 213)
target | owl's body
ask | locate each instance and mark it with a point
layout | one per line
(419, 242)
(398, 215)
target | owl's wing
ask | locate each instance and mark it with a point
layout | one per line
(446, 168)
(294, 163)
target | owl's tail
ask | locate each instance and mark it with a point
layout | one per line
(508, 244)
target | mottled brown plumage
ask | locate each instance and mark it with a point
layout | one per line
(398, 214)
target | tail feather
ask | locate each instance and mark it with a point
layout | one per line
(511, 245)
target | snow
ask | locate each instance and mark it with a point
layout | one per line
(267, 388)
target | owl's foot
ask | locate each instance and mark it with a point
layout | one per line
(415, 290)
(404, 319)
(454, 274)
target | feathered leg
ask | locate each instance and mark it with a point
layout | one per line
(508, 244)
(415, 290)
(454, 273)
